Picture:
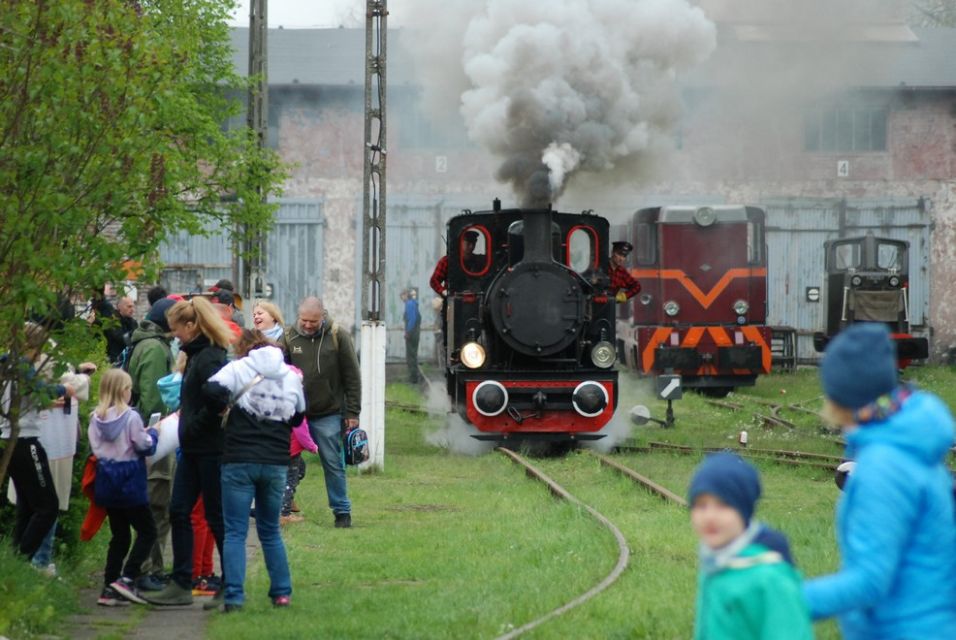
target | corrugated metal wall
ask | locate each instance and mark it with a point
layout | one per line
(415, 228)
(295, 256)
(796, 231)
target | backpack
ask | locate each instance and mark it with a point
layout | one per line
(355, 445)
(126, 355)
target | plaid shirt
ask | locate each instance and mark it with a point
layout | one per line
(439, 276)
(621, 279)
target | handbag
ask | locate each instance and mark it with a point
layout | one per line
(232, 402)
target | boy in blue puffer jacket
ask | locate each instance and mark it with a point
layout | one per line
(894, 521)
(120, 443)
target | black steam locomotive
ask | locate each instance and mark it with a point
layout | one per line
(529, 326)
(867, 280)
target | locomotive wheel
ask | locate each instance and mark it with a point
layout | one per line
(715, 392)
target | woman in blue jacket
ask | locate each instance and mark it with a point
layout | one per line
(895, 521)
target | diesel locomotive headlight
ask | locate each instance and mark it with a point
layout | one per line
(856, 281)
(472, 355)
(671, 308)
(741, 307)
(894, 281)
(490, 398)
(589, 399)
(603, 355)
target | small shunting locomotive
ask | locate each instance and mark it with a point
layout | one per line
(528, 324)
(702, 310)
(867, 280)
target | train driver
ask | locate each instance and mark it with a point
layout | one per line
(623, 285)
(473, 263)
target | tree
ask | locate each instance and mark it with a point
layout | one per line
(112, 138)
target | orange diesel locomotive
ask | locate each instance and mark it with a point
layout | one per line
(702, 310)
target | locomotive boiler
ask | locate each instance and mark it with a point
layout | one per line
(703, 305)
(528, 326)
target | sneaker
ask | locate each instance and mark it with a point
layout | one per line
(281, 601)
(292, 517)
(149, 583)
(171, 596)
(343, 520)
(214, 582)
(231, 608)
(201, 587)
(48, 570)
(126, 588)
(109, 598)
(216, 601)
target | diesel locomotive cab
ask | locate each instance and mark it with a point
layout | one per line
(529, 327)
(867, 280)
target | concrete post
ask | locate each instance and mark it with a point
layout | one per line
(372, 418)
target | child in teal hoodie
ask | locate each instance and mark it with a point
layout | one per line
(747, 587)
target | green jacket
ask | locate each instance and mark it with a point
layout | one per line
(331, 377)
(757, 595)
(151, 360)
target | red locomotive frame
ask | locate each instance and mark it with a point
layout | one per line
(702, 309)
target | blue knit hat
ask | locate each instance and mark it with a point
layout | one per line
(859, 365)
(157, 313)
(730, 478)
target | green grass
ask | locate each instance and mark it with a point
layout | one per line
(448, 546)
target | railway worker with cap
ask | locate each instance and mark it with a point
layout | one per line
(747, 587)
(894, 522)
(623, 285)
(472, 262)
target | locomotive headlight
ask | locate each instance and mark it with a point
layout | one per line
(894, 281)
(472, 355)
(741, 307)
(856, 281)
(490, 398)
(589, 399)
(603, 355)
(671, 308)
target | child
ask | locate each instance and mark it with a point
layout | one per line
(300, 440)
(894, 525)
(120, 443)
(747, 586)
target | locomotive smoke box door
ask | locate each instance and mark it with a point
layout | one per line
(669, 387)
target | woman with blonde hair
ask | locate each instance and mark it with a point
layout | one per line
(268, 319)
(204, 338)
(120, 443)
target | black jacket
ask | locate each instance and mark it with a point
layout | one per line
(200, 430)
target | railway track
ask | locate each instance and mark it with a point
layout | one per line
(781, 456)
(623, 551)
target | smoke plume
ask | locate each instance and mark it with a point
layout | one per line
(554, 87)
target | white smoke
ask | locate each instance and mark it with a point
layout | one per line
(595, 75)
(560, 159)
(456, 436)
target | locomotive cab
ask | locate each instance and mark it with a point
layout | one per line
(867, 280)
(529, 330)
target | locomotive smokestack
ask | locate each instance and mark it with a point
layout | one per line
(537, 236)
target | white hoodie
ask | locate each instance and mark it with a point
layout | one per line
(277, 397)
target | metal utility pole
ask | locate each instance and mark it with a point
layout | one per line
(373, 232)
(251, 269)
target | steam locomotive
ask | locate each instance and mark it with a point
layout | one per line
(703, 305)
(528, 325)
(867, 280)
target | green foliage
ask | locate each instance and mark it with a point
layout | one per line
(111, 140)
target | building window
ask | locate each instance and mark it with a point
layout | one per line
(845, 128)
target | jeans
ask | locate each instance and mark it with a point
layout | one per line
(195, 476)
(411, 354)
(241, 482)
(44, 555)
(327, 433)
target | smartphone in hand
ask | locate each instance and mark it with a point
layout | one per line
(154, 419)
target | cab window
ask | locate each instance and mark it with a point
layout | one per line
(846, 256)
(889, 256)
(581, 249)
(473, 253)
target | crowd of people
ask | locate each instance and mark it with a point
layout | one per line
(241, 405)
(247, 402)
